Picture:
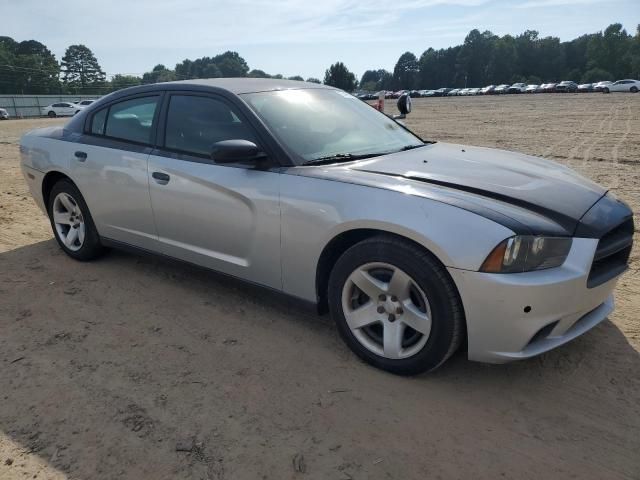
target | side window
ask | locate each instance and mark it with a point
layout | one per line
(98, 121)
(131, 120)
(58, 105)
(195, 123)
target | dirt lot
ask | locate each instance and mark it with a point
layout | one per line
(113, 369)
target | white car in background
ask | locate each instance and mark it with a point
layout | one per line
(61, 109)
(517, 88)
(628, 85)
(600, 86)
(531, 88)
(83, 103)
(4, 115)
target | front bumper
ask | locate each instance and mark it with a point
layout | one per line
(520, 315)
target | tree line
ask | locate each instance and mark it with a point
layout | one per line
(484, 58)
(29, 67)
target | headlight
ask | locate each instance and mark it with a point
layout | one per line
(524, 253)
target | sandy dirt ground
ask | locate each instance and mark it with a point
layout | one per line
(139, 368)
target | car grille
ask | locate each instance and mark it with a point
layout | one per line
(612, 254)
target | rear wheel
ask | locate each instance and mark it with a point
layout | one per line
(51, 114)
(72, 223)
(634, 89)
(605, 90)
(396, 306)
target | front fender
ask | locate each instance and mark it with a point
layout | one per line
(315, 211)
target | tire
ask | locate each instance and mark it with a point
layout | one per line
(51, 114)
(605, 90)
(67, 212)
(634, 89)
(427, 298)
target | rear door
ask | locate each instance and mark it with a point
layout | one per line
(109, 165)
(224, 217)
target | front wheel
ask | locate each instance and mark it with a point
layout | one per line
(396, 306)
(51, 114)
(72, 223)
(634, 89)
(605, 90)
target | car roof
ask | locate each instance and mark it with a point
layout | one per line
(248, 85)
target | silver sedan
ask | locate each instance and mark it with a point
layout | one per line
(415, 247)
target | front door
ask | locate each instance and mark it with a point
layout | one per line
(224, 217)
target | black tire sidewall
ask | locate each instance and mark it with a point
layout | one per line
(91, 248)
(430, 276)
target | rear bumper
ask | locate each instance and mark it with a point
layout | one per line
(516, 316)
(33, 179)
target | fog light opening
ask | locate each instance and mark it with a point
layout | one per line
(527, 309)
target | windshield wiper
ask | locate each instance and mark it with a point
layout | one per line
(411, 147)
(341, 157)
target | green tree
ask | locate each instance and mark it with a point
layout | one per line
(596, 75)
(296, 77)
(231, 64)
(475, 56)
(313, 80)
(405, 73)
(339, 76)
(204, 67)
(27, 67)
(124, 81)
(502, 64)
(80, 68)
(258, 74)
(159, 74)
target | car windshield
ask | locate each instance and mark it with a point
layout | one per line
(324, 123)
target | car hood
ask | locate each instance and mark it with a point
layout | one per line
(504, 181)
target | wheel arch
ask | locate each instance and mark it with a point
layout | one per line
(49, 180)
(341, 243)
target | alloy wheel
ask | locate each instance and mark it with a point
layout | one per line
(68, 221)
(386, 310)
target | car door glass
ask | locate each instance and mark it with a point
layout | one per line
(195, 123)
(132, 120)
(98, 121)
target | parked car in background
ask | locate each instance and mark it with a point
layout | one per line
(549, 87)
(531, 89)
(500, 89)
(623, 86)
(84, 103)
(454, 92)
(600, 86)
(427, 93)
(585, 87)
(442, 92)
(567, 86)
(474, 91)
(517, 88)
(488, 90)
(415, 247)
(60, 109)
(3, 114)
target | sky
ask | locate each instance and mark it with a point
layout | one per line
(291, 37)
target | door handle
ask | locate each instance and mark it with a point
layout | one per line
(81, 156)
(161, 178)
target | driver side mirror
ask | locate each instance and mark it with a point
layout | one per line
(232, 151)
